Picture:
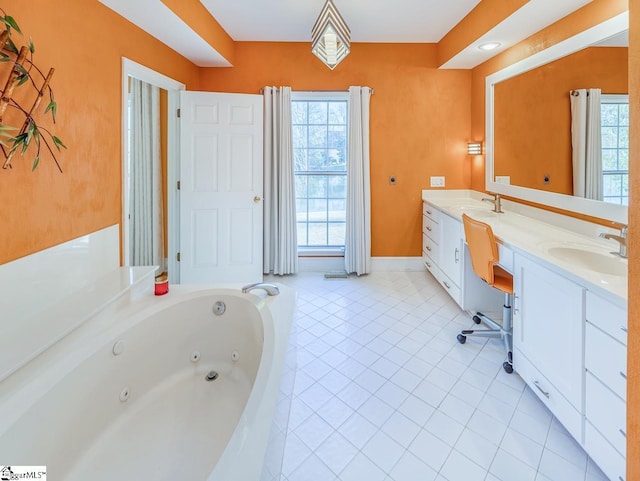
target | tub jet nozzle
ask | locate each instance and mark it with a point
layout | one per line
(211, 376)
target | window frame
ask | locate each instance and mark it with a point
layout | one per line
(336, 95)
(614, 99)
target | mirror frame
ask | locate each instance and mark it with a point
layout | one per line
(614, 212)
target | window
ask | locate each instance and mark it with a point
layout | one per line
(615, 148)
(319, 123)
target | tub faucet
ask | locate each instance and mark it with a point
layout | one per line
(622, 240)
(497, 205)
(269, 288)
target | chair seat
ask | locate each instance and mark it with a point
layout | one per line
(502, 279)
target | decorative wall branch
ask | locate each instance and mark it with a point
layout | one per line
(23, 71)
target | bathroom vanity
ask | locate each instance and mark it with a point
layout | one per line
(569, 309)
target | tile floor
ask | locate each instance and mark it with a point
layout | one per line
(384, 392)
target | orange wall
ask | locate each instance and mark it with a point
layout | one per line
(84, 41)
(633, 347)
(420, 119)
(588, 16)
(532, 118)
(485, 16)
(164, 107)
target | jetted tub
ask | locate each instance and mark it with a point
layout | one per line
(129, 394)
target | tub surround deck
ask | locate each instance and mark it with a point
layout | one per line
(51, 293)
(538, 233)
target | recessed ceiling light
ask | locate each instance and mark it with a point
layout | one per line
(489, 46)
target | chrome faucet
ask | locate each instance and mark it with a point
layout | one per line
(622, 240)
(269, 288)
(497, 205)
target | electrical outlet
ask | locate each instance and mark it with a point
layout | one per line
(503, 179)
(437, 181)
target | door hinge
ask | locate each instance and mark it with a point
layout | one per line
(178, 185)
(178, 257)
(178, 113)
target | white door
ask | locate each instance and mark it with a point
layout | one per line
(220, 187)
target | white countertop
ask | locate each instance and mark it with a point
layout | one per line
(552, 244)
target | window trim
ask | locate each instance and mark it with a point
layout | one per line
(335, 95)
(614, 99)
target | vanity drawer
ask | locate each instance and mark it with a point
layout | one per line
(451, 287)
(430, 265)
(570, 418)
(607, 458)
(607, 412)
(505, 256)
(431, 228)
(430, 247)
(431, 212)
(606, 359)
(609, 317)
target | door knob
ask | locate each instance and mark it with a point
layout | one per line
(257, 199)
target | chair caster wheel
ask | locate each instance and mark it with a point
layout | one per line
(462, 339)
(477, 320)
(507, 367)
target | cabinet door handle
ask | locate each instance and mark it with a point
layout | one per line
(620, 478)
(428, 265)
(624, 376)
(623, 328)
(446, 285)
(429, 228)
(429, 212)
(428, 248)
(622, 432)
(456, 255)
(544, 393)
(515, 298)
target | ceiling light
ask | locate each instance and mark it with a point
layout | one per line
(489, 46)
(330, 36)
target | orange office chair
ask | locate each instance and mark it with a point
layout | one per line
(484, 259)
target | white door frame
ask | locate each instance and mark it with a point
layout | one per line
(173, 87)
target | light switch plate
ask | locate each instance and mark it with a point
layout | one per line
(503, 179)
(437, 181)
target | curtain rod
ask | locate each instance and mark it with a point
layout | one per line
(323, 91)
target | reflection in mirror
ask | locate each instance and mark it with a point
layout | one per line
(533, 125)
(147, 174)
(530, 133)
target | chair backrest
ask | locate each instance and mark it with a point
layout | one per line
(482, 247)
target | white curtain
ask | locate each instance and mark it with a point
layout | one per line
(586, 143)
(280, 238)
(146, 224)
(357, 249)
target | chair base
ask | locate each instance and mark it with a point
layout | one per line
(504, 331)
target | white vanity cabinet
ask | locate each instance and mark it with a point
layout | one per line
(606, 384)
(548, 319)
(431, 238)
(450, 260)
(445, 255)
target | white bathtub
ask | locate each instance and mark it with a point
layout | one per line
(88, 411)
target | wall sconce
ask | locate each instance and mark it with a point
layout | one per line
(474, 148)
(330, 36)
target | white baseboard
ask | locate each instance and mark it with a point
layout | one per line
(378, 264)
(320, 264)
(396, 264)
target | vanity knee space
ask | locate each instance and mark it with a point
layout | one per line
(569, 319)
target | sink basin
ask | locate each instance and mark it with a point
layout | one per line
(604, 263)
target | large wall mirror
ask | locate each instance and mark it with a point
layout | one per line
(529, 145)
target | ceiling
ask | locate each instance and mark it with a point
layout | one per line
(423, 21)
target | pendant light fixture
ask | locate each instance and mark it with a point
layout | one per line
(330, 36)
